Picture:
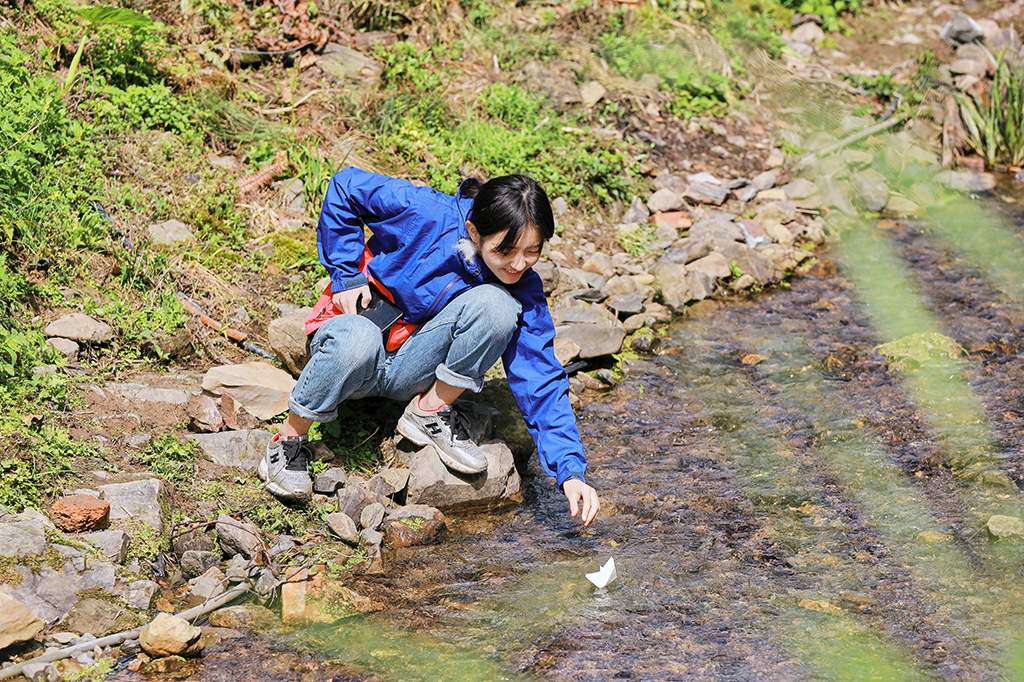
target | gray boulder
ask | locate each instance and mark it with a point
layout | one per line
(670, 278)
(432, 483)
(169, 233)
(209, 585)
(714, 265)
(240, 449)
(238, 537)
(716, 229)
(17, 622)
(968, 181)
(287, 339)
(327, 482)
(194, 562)
(872, 189)
(113, 544)
(81, 328)
(342, 525)
(707, 193)
(139, 594)
(960, 29)
(21, 537)
(372, 515)
(665, 200)
(594, 339)
(137, 500)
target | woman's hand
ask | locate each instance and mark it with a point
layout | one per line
(348, 301)
(581, 496)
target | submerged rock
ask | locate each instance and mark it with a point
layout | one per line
(967, 181)
(415, 524)
(1004, 527)
(921, 349)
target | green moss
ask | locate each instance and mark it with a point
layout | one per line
(8, 571)
(413, 522)
(920, 349)
(144, 542)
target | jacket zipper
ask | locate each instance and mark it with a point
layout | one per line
(440, 297)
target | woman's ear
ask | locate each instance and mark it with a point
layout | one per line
(473, 234)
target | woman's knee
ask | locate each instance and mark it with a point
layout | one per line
(494, 307)
(348, 339)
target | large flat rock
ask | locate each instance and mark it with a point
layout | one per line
(241, 449)
(432, 483)
(135, 500)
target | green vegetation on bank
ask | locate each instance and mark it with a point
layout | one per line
(504, 130)
(995, 120)
(110, 118)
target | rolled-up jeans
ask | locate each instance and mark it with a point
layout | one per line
(458, 345)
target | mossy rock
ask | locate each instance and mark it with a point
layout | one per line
(924, 349)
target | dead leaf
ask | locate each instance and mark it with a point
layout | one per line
(753, 359)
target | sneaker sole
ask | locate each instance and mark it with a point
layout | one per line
(409, 430)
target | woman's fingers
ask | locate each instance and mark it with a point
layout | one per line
(573, 503)
(587, 502)
(365, 297)
(594, 506)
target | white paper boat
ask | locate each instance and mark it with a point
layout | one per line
(604, 576)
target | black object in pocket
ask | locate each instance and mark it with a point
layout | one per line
(381, 311)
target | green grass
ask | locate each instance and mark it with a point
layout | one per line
(636, 45)
(170, 458)
(506, 130)
(995, 121)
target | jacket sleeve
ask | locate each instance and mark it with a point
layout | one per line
(354, 197)
(541, 387)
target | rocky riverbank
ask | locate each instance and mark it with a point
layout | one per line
(173, 518)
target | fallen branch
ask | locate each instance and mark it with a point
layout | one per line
(239, 337)
(851, 139)
(284, 110)
(192, 614)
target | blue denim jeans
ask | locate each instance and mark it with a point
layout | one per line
(460, 343)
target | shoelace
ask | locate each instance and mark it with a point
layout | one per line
(296, 454)
(458, 422)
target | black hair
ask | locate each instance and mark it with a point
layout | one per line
(509, 202)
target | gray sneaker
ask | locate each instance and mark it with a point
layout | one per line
(284, 469)
(448, 430)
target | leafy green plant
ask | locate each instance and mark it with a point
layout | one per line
(143, 107)
(95, 17)
(995, 120)
(830, 11)
(634, 240)
(170, 457)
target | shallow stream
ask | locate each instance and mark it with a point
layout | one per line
(781, 502)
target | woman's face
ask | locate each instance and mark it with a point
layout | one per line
(509, 267)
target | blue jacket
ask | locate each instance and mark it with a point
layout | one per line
(415, 233)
